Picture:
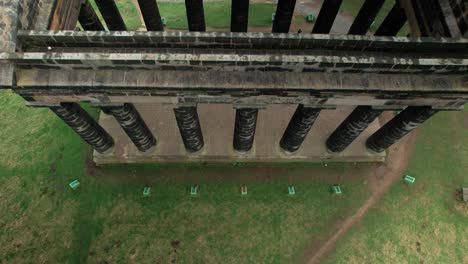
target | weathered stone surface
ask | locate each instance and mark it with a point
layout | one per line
(85, 126)
(298, 128)
(189, 127)
(217, 121)
(250, 40)
(135, 127)
(244, 129)
(351, 128)
(399, 126)
(258, 61)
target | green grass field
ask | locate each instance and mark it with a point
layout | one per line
(107, 219)
(422, 223)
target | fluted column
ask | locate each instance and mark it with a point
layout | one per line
(351, 128)
(393, 23)
(244, 129)
(189, 127)
(298, 128)
(150, 11)
(88, 18)
(239, 15)
(135, 127)
(365, 17)
(85, 126)
(195, 15)
(111, 15)
(398, 127)
(326, 16)
(283, 16)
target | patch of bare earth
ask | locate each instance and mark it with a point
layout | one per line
(381, 180)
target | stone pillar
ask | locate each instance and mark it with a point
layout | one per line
(326, 16)
(399, 126)
(351, 128)
(244, 129)
(298, 128)
(283, 16)
(89, 19)
(365, 17)
(393, 23)
(239, 15)
(135, 127)
(195, 15)
(85, 126)
(150, 11)
(111, 15)
(189, 127)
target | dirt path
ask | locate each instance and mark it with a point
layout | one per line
(381, 180)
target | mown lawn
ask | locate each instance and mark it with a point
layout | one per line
(423, 223)
(107, 219)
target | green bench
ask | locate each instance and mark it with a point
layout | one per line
(194, 190)
(146, 191)
(272, 17)
(409, 179)
(291, 190)
(74, 184)
(336, 189)
(310, 18)
(163, 21)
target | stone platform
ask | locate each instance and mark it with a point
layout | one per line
(217, 122)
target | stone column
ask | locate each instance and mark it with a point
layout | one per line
(398, 127)
(365, 17)
(393, 23)
(283, 16)
(240, 15)
(111, 15)
(298, 128)
(135, 127)
(150, 11)
(244, 129)
(195, 15)
(351, 128)
(326, 16)
(88, 18)
(85, 126)
(189, 127)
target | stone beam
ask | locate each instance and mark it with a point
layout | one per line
(372, 84)
(251, 40)
(245, 61)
